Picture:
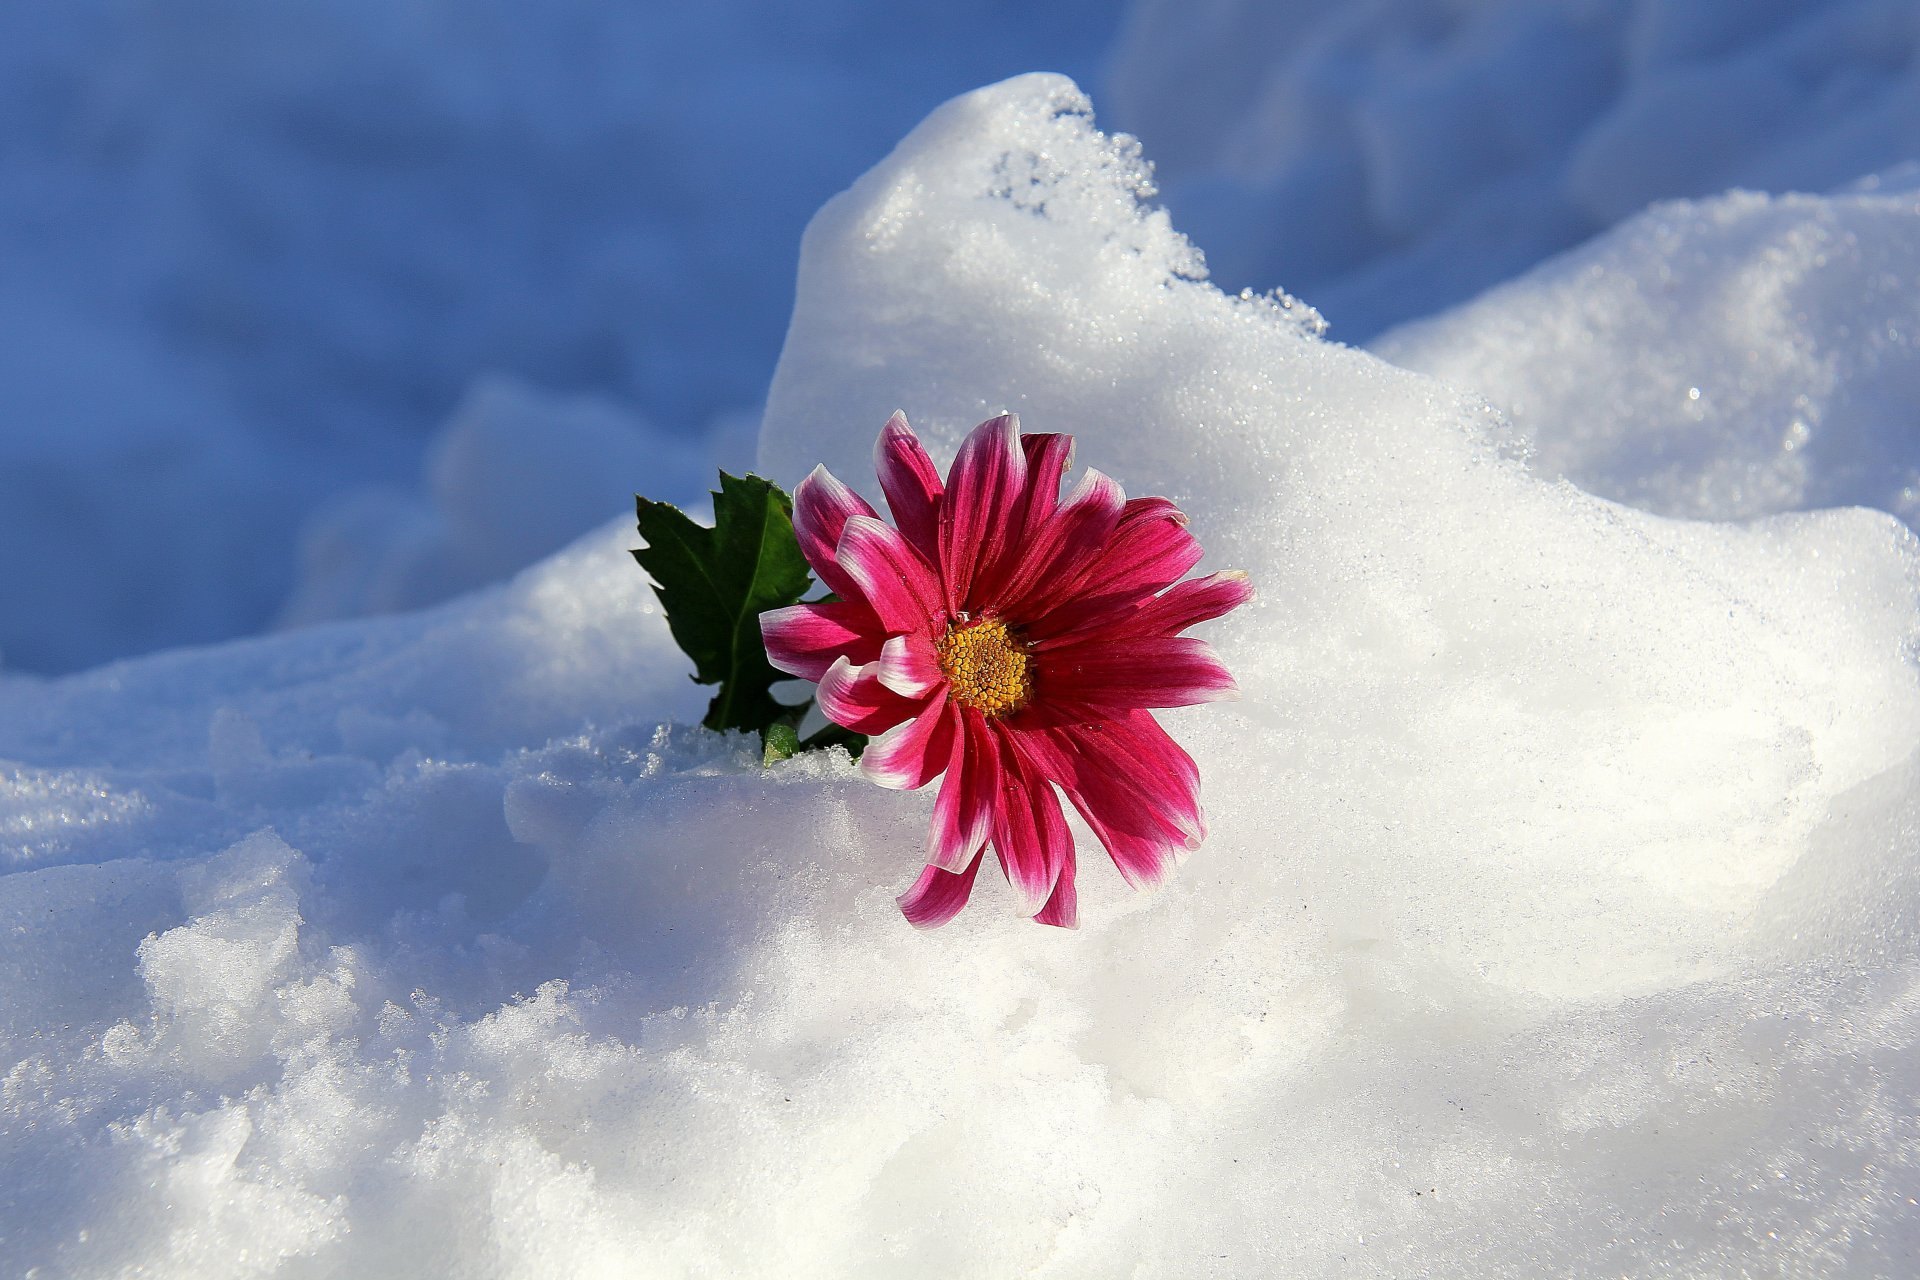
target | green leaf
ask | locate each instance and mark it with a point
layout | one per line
(833, 735)
(715, 583)
(782, 742)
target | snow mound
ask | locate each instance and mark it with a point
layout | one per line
(1774, 344)
(1557, 914)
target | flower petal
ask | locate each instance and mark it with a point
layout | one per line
(1147, 549)
(1147, 816)
(1189, 603)
(938, 895)
(1145, 671)
(963, 814)
(1069, 541)
(912, 485)
(909, 665)
(1182, 605)
(822, 506)
(804, 639)
(1151, 548)
(1048, 457)
(1029, 831)
(912, 754)
(1063, 907)
(980, 515)
(1160, 772)
(854, 698)
(889, 575)
(1144, 861)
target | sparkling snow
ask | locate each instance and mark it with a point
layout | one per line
(1558, 915)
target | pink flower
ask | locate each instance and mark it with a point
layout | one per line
(1014, 641)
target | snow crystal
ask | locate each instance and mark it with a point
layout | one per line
(1557, 914)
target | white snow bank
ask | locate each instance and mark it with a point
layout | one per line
(1391, 157)
(1774, 344)
(1557, 914)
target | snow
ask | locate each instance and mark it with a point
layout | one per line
(1557, 915)
(256, 265)
(1774, 343)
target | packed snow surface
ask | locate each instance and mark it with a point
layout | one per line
(1557, 916)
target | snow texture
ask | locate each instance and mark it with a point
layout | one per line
(1774, 344)
(1557, 917)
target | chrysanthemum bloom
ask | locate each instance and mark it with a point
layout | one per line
(1013, 640)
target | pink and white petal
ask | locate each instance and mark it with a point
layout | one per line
(1049, 456)
(963, 813)
(1186, 604)
(1065, 544)
(1146, 814)
(909, 665)
(1180, 606)
(1063, 907)
(889, 575)
(854, 698)
(1028, 830)
(914, 752)
(1144, 858)
(1148, 549)
(980, 515)
(804, 639)
(1145, 671)
(1144, 862)
(1151, 546)
(912, 485)
(938, 895)
(1160, 774)
(822, 505)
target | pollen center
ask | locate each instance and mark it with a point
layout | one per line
(987, 667)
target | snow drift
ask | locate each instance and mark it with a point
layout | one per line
(1557, 915)
(1773, 344)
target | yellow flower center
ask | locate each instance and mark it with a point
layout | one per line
(987, 667)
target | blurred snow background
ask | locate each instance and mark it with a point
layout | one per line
(253, 258)
(1559, 912)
